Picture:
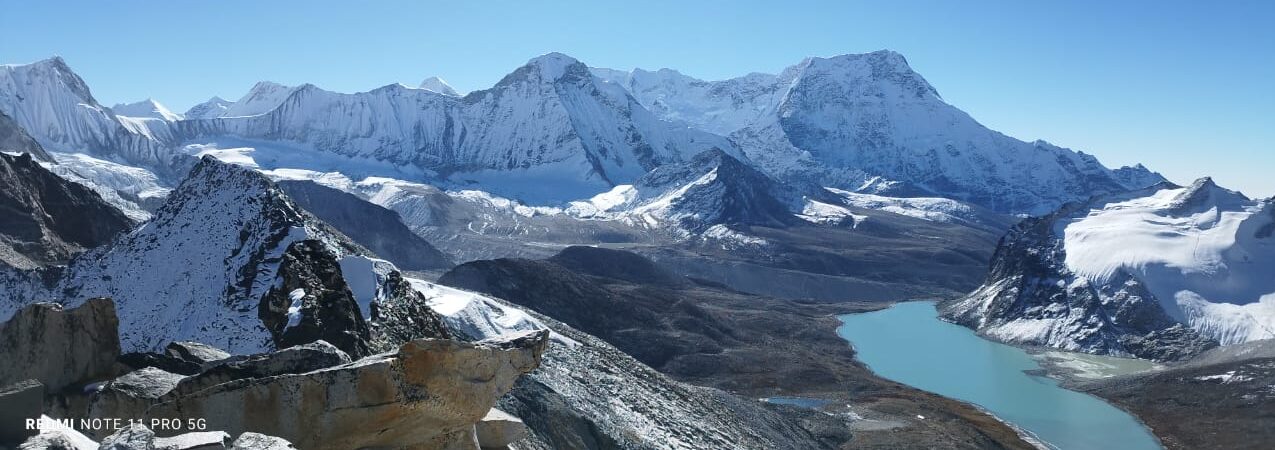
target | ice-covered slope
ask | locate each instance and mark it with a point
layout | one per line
(14, 139)
(1120, 273)
(549, 131)
(55, 106)
(146, 109)
(872, 113)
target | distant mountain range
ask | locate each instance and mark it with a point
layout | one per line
(556, 130)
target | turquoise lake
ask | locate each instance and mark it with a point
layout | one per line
(909, 344)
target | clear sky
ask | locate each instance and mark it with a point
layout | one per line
(1185, 87)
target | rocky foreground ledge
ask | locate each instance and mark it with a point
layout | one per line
(65, 366)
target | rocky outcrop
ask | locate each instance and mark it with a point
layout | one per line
(131, 394)
(22, 400)
(293, 360)
(428, 394)
(195, 352)
(60, 348)
(498, 429)
(47, 219)
(380, 230)
(54, 435)
(313, 302)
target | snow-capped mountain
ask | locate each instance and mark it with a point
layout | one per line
(554, 131)
(213, 107)
(1160, 272)
(232, 261)
(550, 120)
(439, 85)
(146, 109)
(55, 106)
(872, 114)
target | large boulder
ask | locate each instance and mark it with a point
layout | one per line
(21, 401)
(60, 348)
(427, 395)
(195, 352)
(130, 395)
(498, 429)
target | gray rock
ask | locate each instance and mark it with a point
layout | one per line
(199, 440)
(292, 360)
(256, 441)
(60, 348)
(132, 437)
(196, 352)
(130, 395)
(55, 436)
(22, 400)
(498, 429)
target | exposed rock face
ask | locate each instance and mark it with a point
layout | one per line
(22, 400)
(47, 219)
(293, 360)
(380, 230)
(326, 310)
(14, 139)
(498, 429)
(60, 348)
(427, 395)
(199, 440)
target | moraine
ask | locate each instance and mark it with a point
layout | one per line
(909, 344)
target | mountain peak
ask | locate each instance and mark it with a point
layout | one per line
(553, 66)
(439, 85)
(213, 107)
(264, 97)
(146, 109)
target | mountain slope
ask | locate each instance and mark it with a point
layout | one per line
(46, 220)
(1160, 273)
(146, 109)
(374, 227)
(872, 114)
(231, 261)
(14, 139)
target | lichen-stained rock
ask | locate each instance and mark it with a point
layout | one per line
(498, 429)
(427, 395)
(60, 348)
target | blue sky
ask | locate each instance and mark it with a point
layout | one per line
(1184, 87)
